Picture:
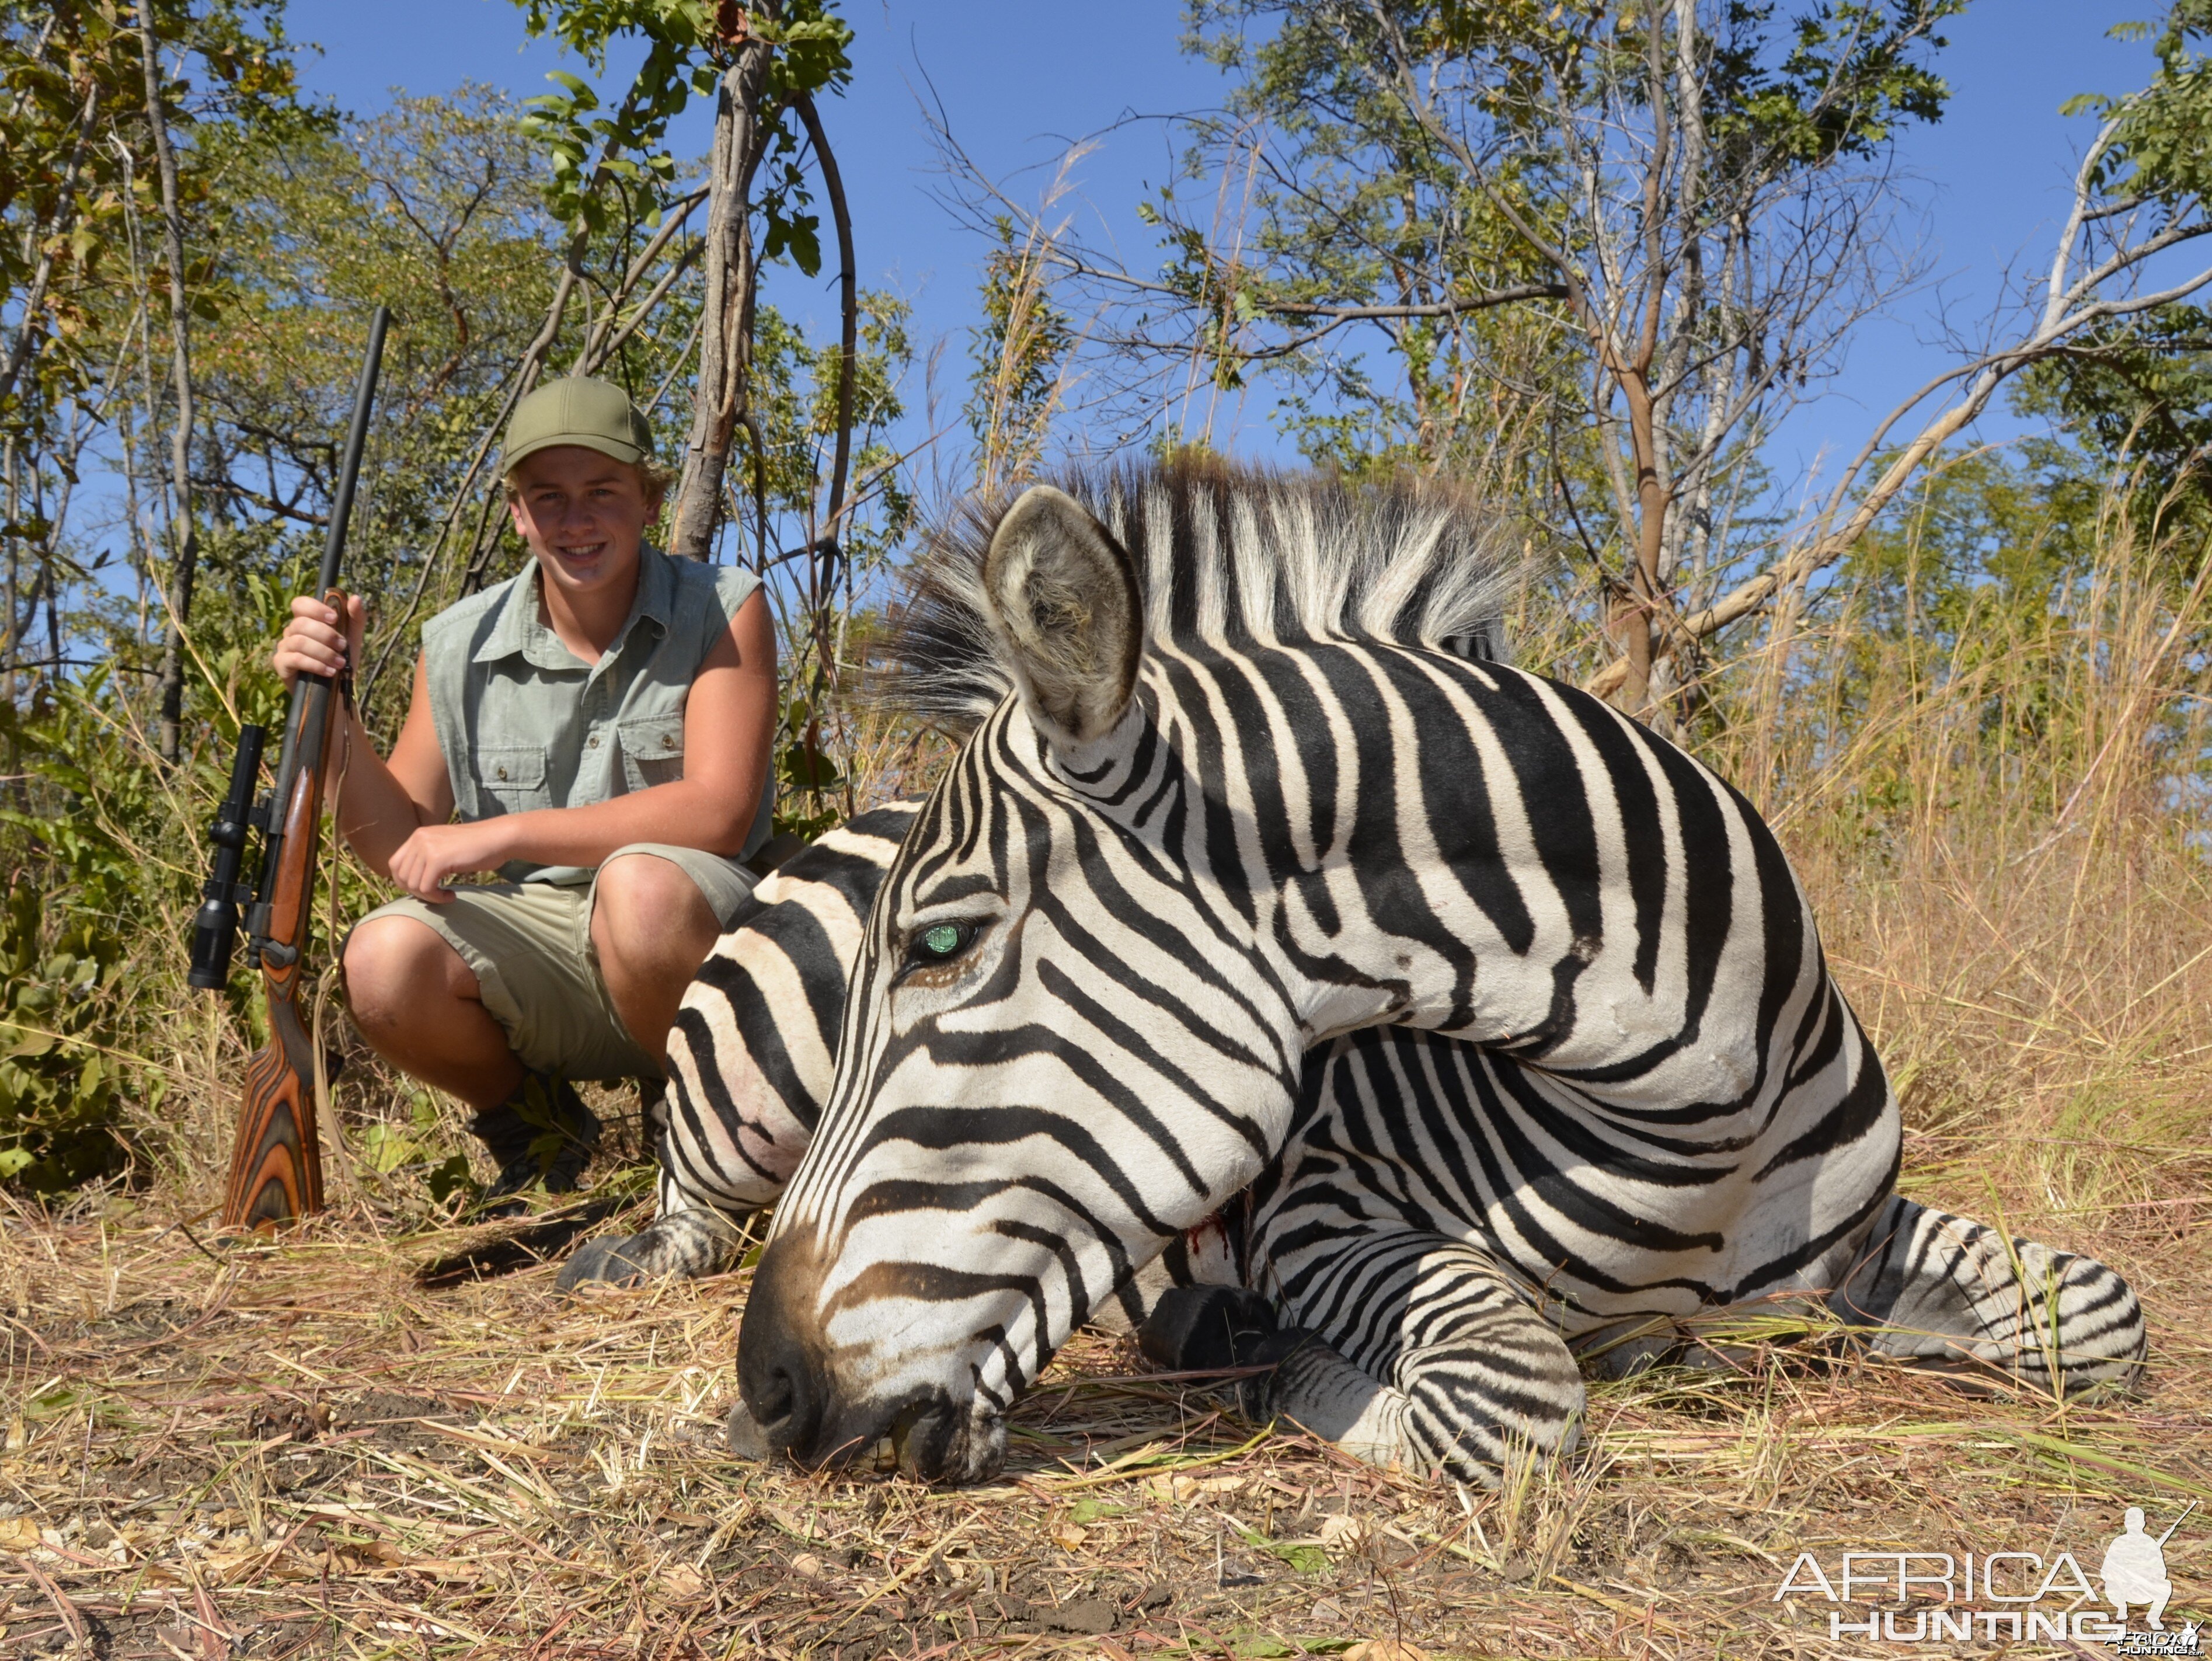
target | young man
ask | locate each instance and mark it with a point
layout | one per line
(597, 730)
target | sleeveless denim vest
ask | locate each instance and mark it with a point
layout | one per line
(524, 723)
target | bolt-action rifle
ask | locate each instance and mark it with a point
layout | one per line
(276, 1162)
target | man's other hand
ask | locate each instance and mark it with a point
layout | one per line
(313, 643)
(424, 863)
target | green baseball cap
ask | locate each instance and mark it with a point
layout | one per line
(596, 414)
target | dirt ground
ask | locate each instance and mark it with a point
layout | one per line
(296, 1449)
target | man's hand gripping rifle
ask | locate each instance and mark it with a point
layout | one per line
(276, 1165)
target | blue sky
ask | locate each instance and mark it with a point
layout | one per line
(1019, 78)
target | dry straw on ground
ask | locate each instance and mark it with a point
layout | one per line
(292, 1448)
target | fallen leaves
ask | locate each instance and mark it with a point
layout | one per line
(681, 1583)
(1341, 1533)
(410, 1534)
(800, 1528)
(1180, 1490)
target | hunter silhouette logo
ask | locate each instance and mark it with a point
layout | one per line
(2135, 1570)
(1932, 1596)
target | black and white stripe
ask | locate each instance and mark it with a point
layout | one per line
(1254, 817)
(750, 1055)
(1356, 1234)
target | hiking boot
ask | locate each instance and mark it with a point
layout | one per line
(543, 1133)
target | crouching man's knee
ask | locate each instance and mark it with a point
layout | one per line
(649, 919)
(391, 965)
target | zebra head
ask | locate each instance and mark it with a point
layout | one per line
(1076, 1024)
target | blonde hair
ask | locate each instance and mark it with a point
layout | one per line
(655, 478)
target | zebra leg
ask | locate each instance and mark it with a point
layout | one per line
(1949, 1294)
(1125, 1310)
(1416, 1351)
(1217, 1329)
(688, 1238)
(1485, 1380)
(688, 1245)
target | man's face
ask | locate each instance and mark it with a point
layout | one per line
(583, 515)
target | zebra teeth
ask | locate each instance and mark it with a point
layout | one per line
(901, 1443)
(885, 1456)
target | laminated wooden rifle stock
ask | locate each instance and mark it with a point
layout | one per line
(276, 1165)
(276, 1159)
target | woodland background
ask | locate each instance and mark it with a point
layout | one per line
(1591, 257)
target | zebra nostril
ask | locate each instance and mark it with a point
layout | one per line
(774, 1407)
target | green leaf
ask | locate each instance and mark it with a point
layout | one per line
(452, 1177)
(580, 95)
(1305, 1559)
(797, 235)
(59, 1399)
(806, 768)
(32, 1041)
(384, 1149)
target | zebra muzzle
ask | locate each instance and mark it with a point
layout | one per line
(916, 1441)
(780, 1380)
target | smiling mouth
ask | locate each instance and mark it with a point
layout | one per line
(583, 550)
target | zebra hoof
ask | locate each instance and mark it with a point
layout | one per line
(1204, 1329)
(747, 1441)
(601, 1260)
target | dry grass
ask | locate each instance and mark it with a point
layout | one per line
(292, 1448)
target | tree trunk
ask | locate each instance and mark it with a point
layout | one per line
(1637, 610)
(184, 525)
(726, 337)
(33, 324)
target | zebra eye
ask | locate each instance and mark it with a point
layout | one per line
(942, 941)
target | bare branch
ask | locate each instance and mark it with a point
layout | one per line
(2069, 308)
(32, 327)
(1460, 307)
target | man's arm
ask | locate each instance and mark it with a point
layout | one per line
(729, 723)
(379, 805)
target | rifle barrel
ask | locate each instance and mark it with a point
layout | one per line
(2177, 1522)
(310, 694)
(364, 398)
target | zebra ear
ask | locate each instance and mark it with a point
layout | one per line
(1063, 594)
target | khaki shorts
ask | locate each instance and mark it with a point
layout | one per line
(529, 945)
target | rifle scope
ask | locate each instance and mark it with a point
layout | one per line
(215, 927)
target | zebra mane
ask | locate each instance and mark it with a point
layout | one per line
(1224, 555)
